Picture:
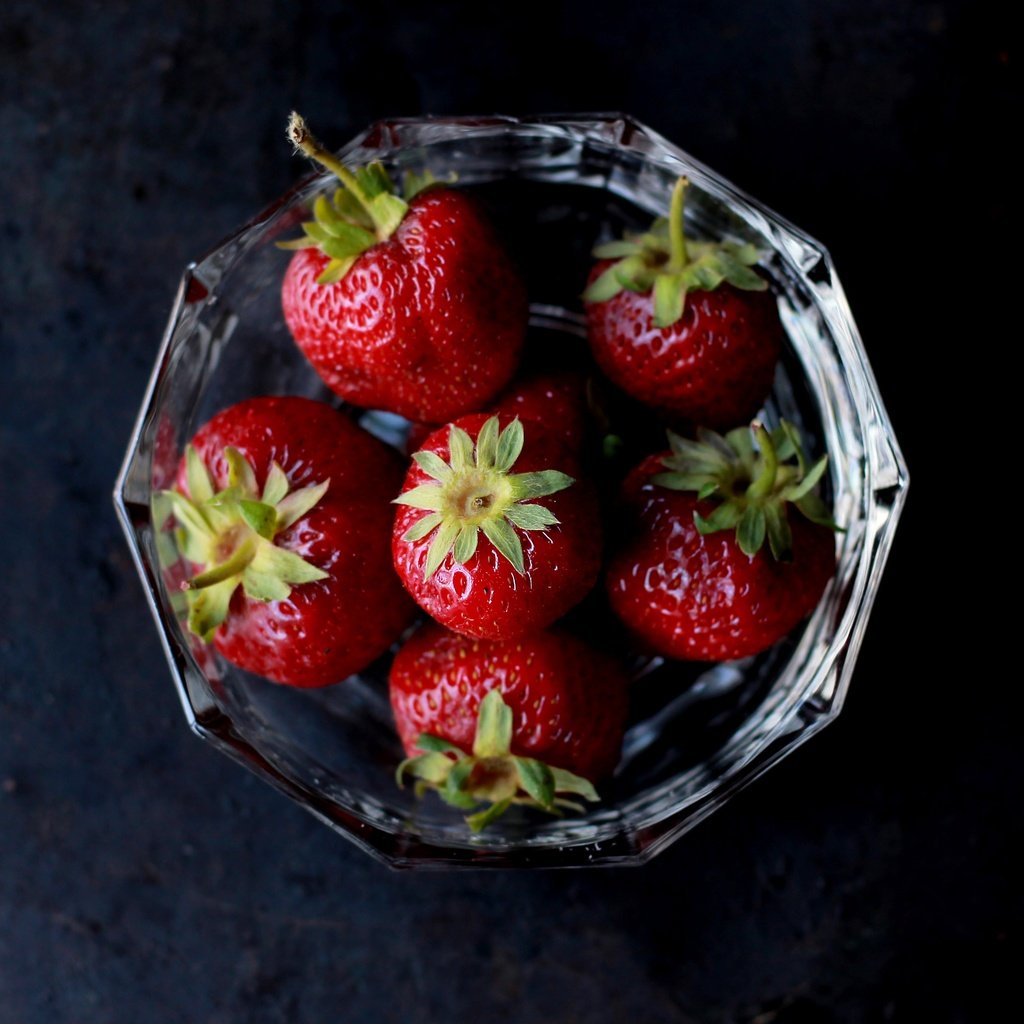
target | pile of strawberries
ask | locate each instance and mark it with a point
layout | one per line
(313, 548)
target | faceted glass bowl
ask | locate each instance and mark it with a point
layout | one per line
(556, 186)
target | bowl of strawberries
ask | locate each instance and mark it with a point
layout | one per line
(511, 491)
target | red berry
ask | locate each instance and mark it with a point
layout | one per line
(683, 584)
(472, 544)
(346, 608)
(686, 327)
(714, 366)
(428, 324)
(557, 399)
(568, 701)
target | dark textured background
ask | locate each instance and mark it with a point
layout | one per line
(143, 877)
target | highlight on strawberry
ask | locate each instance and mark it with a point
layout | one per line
(403, 302)
(694, 579)
(473, 544)
(685, 326)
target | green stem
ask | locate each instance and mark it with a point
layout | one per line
(676, 237)
(765, 483)
(302, 138)
(240, 558)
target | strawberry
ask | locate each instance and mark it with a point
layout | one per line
(540, 715)
(556, 399)
(280, 504)
(693, 580)
(409, 305)
(686, 327)
(532, 563)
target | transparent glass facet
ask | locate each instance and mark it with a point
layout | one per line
(557, 185)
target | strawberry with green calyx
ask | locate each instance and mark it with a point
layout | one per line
(408, 304)
(687, 327)
(566, 707)
(231, 533)
(281, 509)
(752, 474)
(695, 579)
(471, 543)
(476, 492)
(364, 211)
(492, 773)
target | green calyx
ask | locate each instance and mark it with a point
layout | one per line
(475, 491)
(491, 773)
(664, 261)
(753, 474)
(364, 211)
(231, 533)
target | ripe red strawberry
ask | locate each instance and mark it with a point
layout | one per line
(693, 580)
(547, 700)
(557, 399)
(409, 306)
(282, 505)
(532, 563)
(686, 327)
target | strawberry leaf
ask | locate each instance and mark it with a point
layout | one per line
(434, 466)
(494, 727)
(530, 517)
(427, 742)
(568, 782)
(276, 487)
(422, 527)
(605, 286)
(510, 446)
(264, 586)
(487, 444)
(537, 779)
(442, 543)
(260, 517)
(479, 821)
(240, 473)
(209, 608)
(285, 564)
(200, 487)
(751, 530)
(460, 447)
(539, 484)
(294, 506)
(465, 544)
(426, 496)
(336, 270)
(505, 541)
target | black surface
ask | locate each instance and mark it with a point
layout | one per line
(143, 877)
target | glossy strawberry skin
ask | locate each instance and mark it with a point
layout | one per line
(326, 630)
(486, 597)
(555, 399)
(428, 324)
(714, 367)
(568, 701)
(700, 598)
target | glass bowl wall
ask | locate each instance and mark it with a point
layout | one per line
(556, 186)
